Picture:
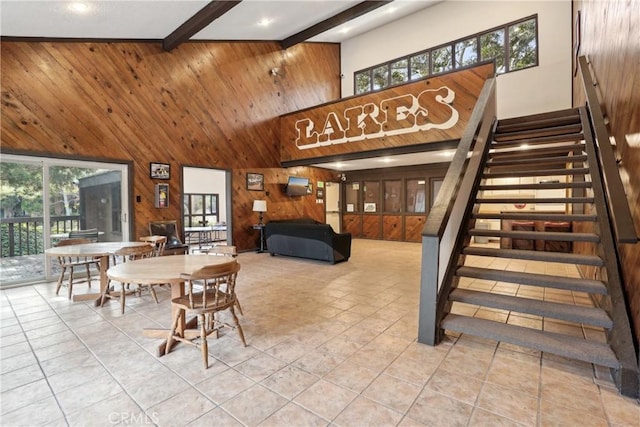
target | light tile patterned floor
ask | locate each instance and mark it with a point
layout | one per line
(328, 345)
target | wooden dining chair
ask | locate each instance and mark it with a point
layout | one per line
(129, 253)
(158, 242)
(218, 294)
(224, 250)
(69, 263)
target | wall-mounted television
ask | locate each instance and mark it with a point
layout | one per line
(297, 186)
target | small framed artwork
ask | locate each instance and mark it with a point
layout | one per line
(159, 171)
(255, 181)
(162, 195)
(369, 207)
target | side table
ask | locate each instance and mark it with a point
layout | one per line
(263, 245)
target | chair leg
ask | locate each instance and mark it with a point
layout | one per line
(235, 319)
(239, 308)
(153, 293)
(60, 279)
(122, 297)
(70, 285)
(174, 326)
(88, 275)
(205, 344)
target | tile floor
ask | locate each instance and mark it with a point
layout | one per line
(328, 345)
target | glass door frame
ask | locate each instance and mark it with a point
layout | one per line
(126, 219)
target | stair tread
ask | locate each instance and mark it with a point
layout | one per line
(562, 257)
(539, 186)
(535, 279)
(536, 150)
(563, 345)
(537, 124)
(533, 216)
(539, 200)
(569, 312)
(536, 160)
(573, 113)
(539, 140)
(501, 135)
(538, 235)
(541, 172)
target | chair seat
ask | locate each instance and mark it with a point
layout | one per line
(223, 302)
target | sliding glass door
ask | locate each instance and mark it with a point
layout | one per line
(43, 199)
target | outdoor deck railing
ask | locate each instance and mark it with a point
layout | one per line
(23, 235)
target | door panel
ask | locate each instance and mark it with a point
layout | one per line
(413, 228)
(392, 227)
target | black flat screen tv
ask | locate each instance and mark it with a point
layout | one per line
(297, 186)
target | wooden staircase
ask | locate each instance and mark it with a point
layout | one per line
(555, 148)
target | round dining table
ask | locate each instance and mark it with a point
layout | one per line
(166, 270)
(102, 250)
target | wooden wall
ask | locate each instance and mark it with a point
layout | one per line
(609, 37)
(202, 104)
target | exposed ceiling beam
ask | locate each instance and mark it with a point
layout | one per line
(334, 21)
(197, 22)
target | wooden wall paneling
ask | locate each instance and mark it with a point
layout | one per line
(609, 38)
(372, 226)
(352, 223)
(204, 104)
(413, 225)
(392, 227)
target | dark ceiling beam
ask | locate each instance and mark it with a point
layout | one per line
(197, 22)
(334, 21)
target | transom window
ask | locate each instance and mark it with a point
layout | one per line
(513, 46)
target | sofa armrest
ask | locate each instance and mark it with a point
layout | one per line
(342, 244)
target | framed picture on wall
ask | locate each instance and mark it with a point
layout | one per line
(159, 171)
(255, 181)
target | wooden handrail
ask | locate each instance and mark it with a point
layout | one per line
(621, 218)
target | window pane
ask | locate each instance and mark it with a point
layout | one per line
(351, 195)
(416, 195)
(399, 71)
(492, 47)
(441, 59)
(466, 52)
(522, 45)
(392, 202)
(419, 66)
(196, 204)
(380, 77)
(363, 82)
(371, 196)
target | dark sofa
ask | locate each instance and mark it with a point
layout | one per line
(306, 238)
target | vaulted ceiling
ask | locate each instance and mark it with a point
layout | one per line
(175, 21)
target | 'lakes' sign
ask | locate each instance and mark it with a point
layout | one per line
(431, 110)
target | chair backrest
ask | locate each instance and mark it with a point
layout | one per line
(222, 251)
(218, 285)
(74, 241)
(169, 229)
(91, 234)
(130, 253)
(158, 243)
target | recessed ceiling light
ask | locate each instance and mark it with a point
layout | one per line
(524, 147)
(265, 22)
(79, 7)
(385, 160)
(448, 153)
(345, 30)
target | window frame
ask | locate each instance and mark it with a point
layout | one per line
(454, 67)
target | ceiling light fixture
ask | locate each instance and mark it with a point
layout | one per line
(265, 22)
(79, 7)
(345, 30)
(385, 160)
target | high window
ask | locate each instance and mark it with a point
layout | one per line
(512, 46)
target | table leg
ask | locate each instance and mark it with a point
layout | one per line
(104, 281)
(177, 290)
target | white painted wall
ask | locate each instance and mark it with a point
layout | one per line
(539, 89)
(207, 181)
